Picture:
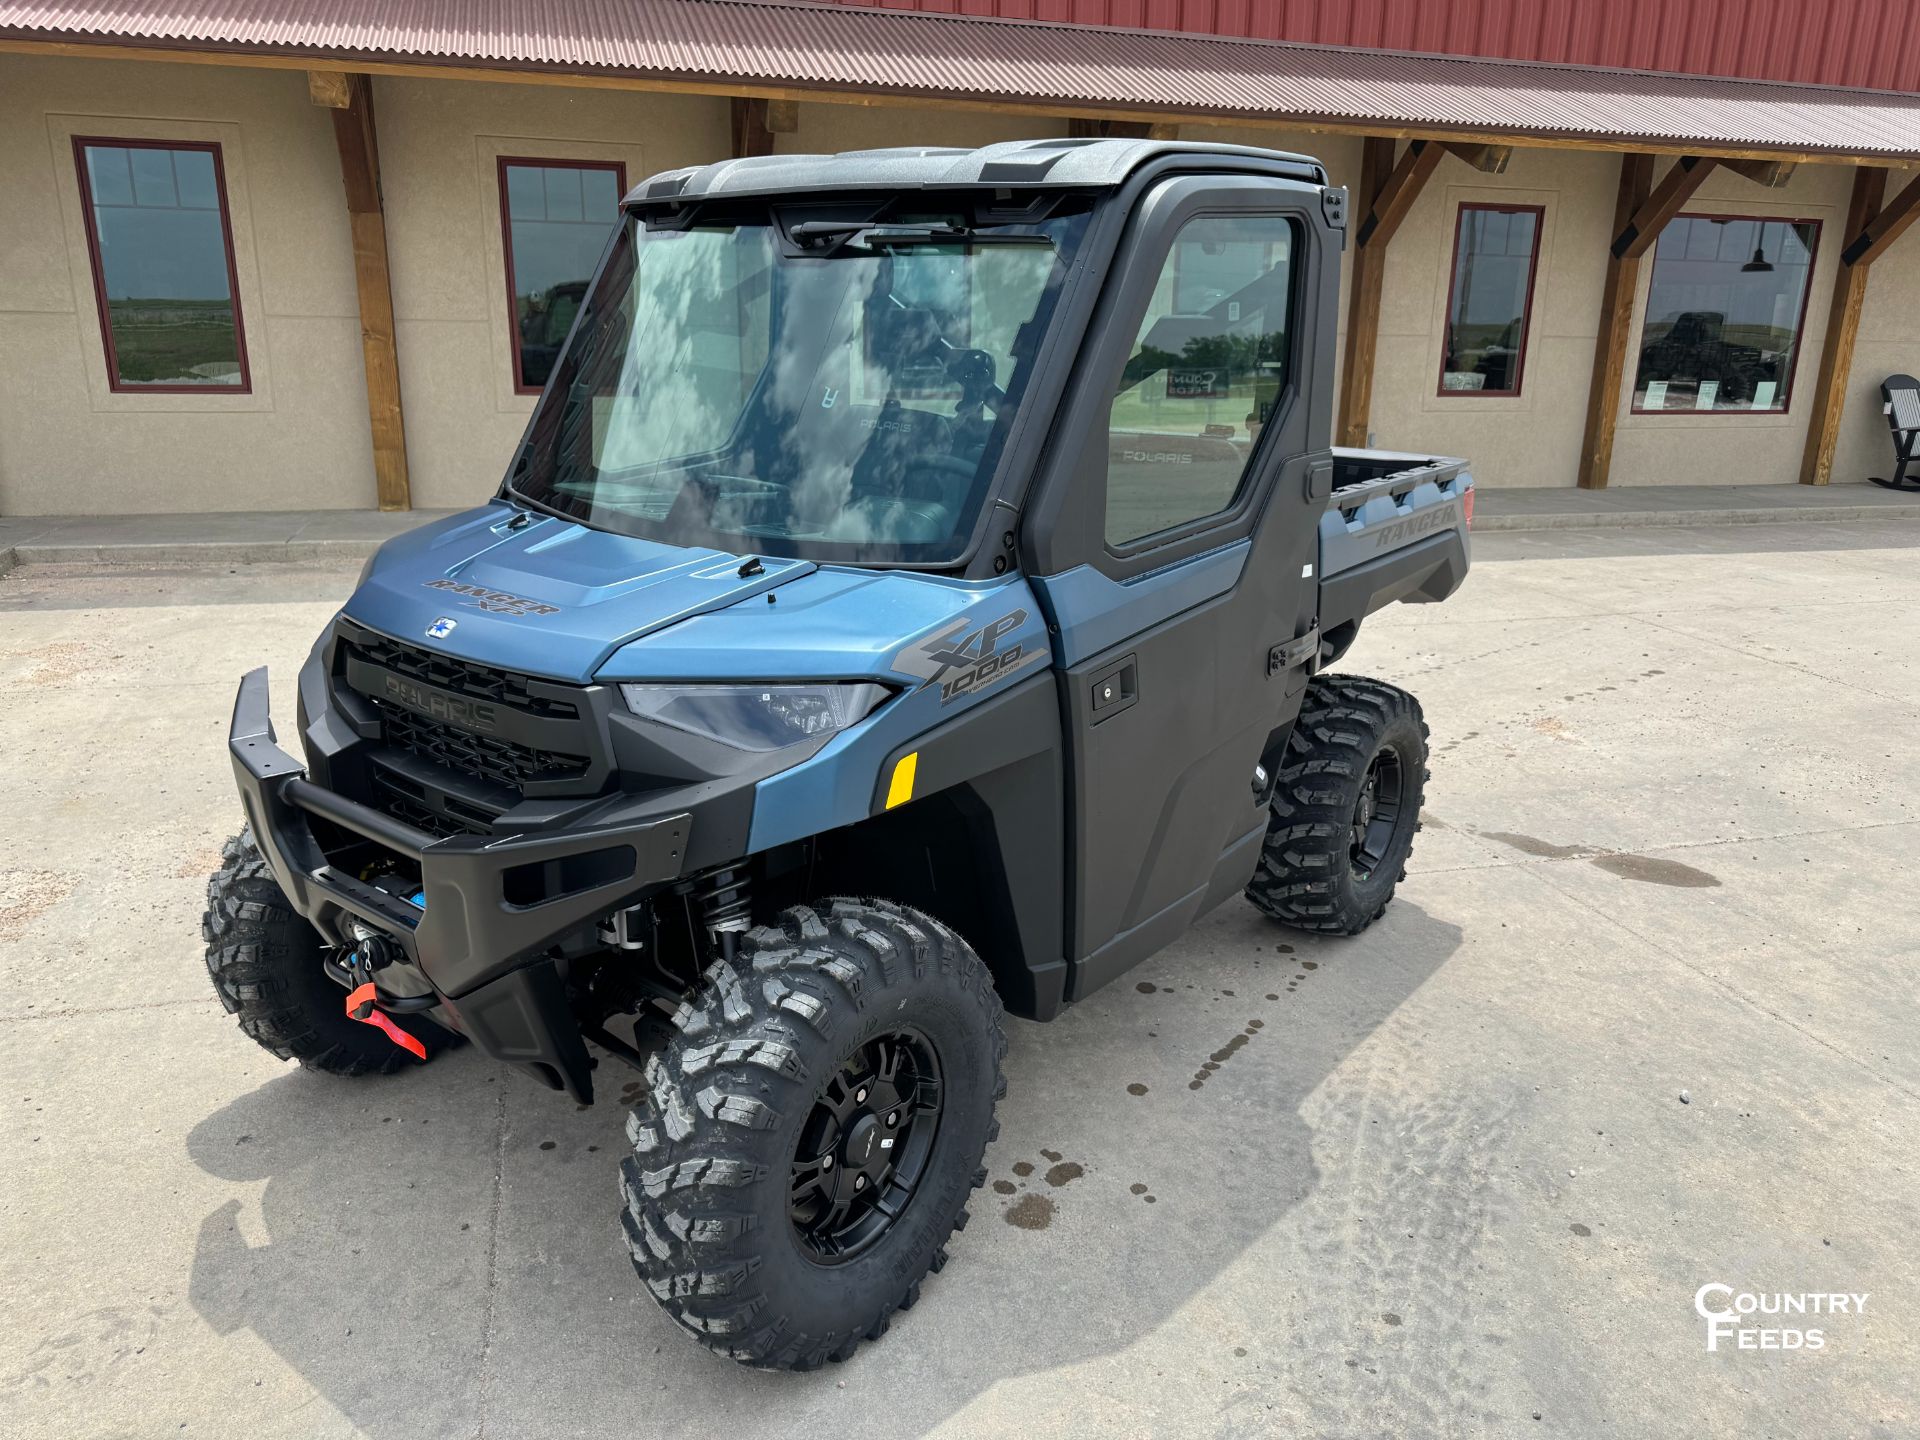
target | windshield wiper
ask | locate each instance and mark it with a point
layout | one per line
(835, 235)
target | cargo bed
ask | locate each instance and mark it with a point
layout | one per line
(1396, 528)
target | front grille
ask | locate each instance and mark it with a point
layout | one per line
(485, 757)
(462, 677)
(403, 807)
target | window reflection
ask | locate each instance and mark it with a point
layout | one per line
(1493, 260)
(162, 265)
(1724, 310)
(558, 215)
(1207, 368)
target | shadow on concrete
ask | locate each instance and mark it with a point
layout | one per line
(437, 1254)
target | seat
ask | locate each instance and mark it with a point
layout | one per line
(1901, 394)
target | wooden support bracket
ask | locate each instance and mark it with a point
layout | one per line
(1488, 159)
(1636, 236)
(1770, 173)
(329, 88)
(1397, 194)
(1870, 240)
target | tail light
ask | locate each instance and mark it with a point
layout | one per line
(1466, 507)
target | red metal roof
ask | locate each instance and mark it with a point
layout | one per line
(1867, 43)
(778, 44)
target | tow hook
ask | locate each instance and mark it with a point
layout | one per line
(373, 952)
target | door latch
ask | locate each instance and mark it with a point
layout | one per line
(1282, 658)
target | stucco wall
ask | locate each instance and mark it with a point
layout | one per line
(1532, 438)
(440, 143)
(69, 445)
(1682, 448)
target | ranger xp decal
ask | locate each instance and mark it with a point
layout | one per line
(972, 657)
(498, 601)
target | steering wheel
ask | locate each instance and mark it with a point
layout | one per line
(943, 470)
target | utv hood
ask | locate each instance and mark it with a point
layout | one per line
(550, 598)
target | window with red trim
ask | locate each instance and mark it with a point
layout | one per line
(1490, 299)
(161, 247)
(1724, 310)
(555, 216)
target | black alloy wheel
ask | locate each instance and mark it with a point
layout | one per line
(864, 1148)
(1376, 815)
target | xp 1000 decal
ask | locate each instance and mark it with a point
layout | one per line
(968, 658)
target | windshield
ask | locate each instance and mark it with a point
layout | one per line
(845, 400)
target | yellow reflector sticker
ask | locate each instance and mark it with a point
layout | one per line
(901, 789)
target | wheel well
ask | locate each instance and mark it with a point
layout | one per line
(949, 854)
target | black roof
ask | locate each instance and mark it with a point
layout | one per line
(1014, 164)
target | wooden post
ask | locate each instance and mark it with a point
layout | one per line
(1387, 193)
(1616, 320)
(752, 135)
(1082, 127)
(353, 131)
(1843, 328)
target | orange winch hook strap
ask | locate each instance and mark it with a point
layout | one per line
(364, 1005)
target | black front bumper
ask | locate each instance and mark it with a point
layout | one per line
(491, 906)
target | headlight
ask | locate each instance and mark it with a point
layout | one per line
(755, 717)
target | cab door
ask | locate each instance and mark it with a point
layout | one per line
(1174, 550)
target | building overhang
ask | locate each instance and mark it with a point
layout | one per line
(785, 49)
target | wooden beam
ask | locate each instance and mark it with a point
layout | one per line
(505, 73)
(751, 134)
(329, 88)
(1099, 127)
(1363, 302)
(1488, 159)
(1676, 187)
(353, 132)
(1770, 173)
(1616, 322)
(1871, 239)
(1396, 197)
(1843, 329)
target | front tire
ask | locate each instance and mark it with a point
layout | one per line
(1346, 805)
(813, 1131)
(264, 960)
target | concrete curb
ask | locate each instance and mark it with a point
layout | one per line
(1639, 519)
(293, 550)
(191, 552)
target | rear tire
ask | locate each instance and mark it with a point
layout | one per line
(1346, 805)
(729, 1210)
(264, 959)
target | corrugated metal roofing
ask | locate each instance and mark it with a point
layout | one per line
(1082, 69)
(1872, 43)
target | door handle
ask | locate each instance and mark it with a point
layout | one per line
(1112, 690)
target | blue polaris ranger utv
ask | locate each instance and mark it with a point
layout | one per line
(906, 606)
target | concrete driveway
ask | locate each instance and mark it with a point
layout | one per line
(1643, 1019)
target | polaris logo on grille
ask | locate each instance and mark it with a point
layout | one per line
(468, 714)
